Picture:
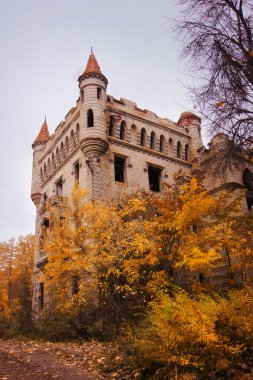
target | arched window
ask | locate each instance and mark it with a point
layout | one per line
(41, 175)
(179, 149)
(133, 134)
(112, 127)
(72, 140)
(62, 152)
(247, 180)
(90, 118)
(53, 162)
(49, 166)
(152, 140)
(187, 156)
(171, 147)
(99, 92)
(77, 133)
(67, 146)
(57, 155)
(45, 170)
(122, 132)
(143, 137)
(162, 143)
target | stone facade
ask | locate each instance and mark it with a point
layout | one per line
(111, 146)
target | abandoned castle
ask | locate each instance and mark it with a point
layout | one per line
(111, 146)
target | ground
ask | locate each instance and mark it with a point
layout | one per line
(26, 360)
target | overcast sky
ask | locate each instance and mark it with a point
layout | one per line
(44, 47)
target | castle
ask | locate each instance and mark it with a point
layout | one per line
(111, 146)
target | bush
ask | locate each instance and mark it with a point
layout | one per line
(206, 336)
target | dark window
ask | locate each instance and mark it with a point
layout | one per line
(119, 168)
(201, 278)
(187, 152)
(82, 95)
(154, 177)
(44, 197)
(247, 180)
(77, 170)
(62, 220)
(45, 223)
(98, 92)
(59, 186)
(41, 296)
(122, 134)
(90, 118)
(75, 284)
(152, 140)
(143, 137)
(112, 127)
(179, 150)
(162, 143)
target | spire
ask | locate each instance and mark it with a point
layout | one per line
(92, 65)
(43, 135)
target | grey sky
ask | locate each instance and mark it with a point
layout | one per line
(44, 47)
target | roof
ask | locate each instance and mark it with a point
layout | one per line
(92, 66)
(43, 135)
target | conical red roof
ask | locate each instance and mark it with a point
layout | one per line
(43, 135)
(92, 65)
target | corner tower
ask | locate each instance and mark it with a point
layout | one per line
(93, 137)
(192, 123)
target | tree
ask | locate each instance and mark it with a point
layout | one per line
(106, 261)
(218, 42)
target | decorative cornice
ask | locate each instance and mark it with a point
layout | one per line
(62, 163)
(149, 151)
(152, 123)
(36, 198)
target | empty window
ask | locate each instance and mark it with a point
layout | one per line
(152, 140)
(143, 137)
(77, 133)
(75, 284)
(41, 296)
(122, 133)
(67, 146)
(247, 180)
(162, 143)
(154, 177)
(171, 147)
(98, 92)
(44, 197)
(90, 118)
(59, 186)
(179, 150)
(82, 95)
(72, 140)
(119, 168)
(187, 152)
(112, 127)
(76, 171)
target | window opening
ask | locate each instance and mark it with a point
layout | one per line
(154, 176)
(119, 168)
(162, 143)
(59, 186)
(122, 134)
(179, 150)
(143, 137)
(111, 127)
(41, 296)
(98, 92)
(90, 118)
(187, 152)
(75, 284)
(77, 171)
(247, 180)
(152, 140)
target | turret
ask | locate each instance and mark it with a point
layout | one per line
(92, 84)
(38, 146)
(192, 123)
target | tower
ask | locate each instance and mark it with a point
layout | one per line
(38, 146)
(192, 123)
(93, 134)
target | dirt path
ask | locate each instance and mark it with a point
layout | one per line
(17, 364)
(41, 360)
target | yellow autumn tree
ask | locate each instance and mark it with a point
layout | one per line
(106, 261)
